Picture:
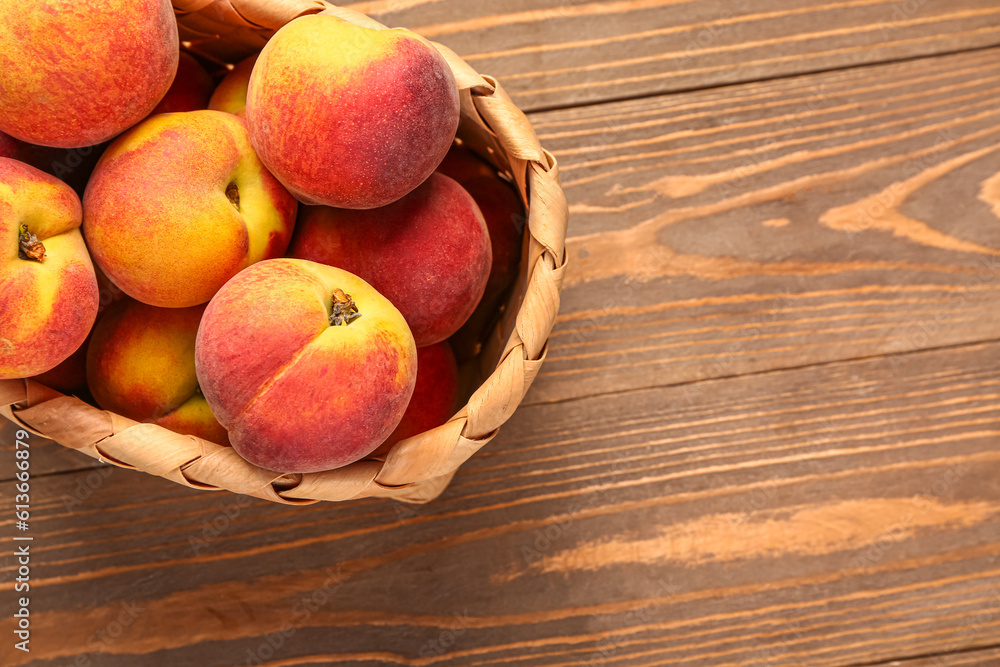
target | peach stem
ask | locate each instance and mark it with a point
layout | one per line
(344, 309)
(29, 247)
(233, 193)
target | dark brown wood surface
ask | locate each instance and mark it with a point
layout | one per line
(824, 516)
(768, 429)
(778, 224)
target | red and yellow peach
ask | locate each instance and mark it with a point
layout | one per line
(191, 89)
(73, 166)
(231, 93)
(307, 366)
(180, 204)
(77, 74)
(434, 394)
(48, 291)
(140, 364)
(429, 253)
(349, 116)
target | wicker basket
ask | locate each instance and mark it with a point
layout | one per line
(416, 469)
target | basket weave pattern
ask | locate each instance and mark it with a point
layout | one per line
(416, 469)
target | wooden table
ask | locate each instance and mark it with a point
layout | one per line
(768, 430)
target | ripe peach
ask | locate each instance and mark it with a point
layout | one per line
(307, 366)
(231, 94)
(107, 290)
(72, 166)
(9, 146)
(463, 165)
(70, 376)
(190, 90)
(76, 74)
(429, 253)
(505, 220)
(349, 116)
(434, 394)
(140, 364)
(180, 204)
(48, 292)
(501, 207)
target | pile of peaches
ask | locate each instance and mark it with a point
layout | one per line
(284, 257)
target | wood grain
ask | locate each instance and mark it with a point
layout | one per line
(777, 224)
(702, 478)
(560, 53)
(49, 457)
(762, 226)
(976, 658)
(835, 515)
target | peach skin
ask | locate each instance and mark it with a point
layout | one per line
(70, 376)
(463, 165)
(505, 220)
(78, 73)
(306, 365)
(231, 93)
(191, 89)
(48, 292)
(72, 166)
(180, 204)
(429, 253)
(502, 209)
(348, 116)
(434, 395)
(140, 364)
(9, 146)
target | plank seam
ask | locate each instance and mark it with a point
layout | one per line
(529, 110)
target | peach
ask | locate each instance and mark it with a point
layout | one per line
(180, 204)
(505, 220)
(463, 165)
(307, 366)
(48, 292)
(434, 395)
(191, 89)
(9, 146)
(73, 166)
(76, 74)
(140, 364)
(231, 94)
(70, 376)
(501, 207)
(348, 116)
(429, 253)
(108, 291)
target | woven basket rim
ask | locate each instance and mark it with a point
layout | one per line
(413, 470)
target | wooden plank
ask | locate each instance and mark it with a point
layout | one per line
(777, 224)
(989, 657)
(48, 456)
(559, 53)
(834, 515)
